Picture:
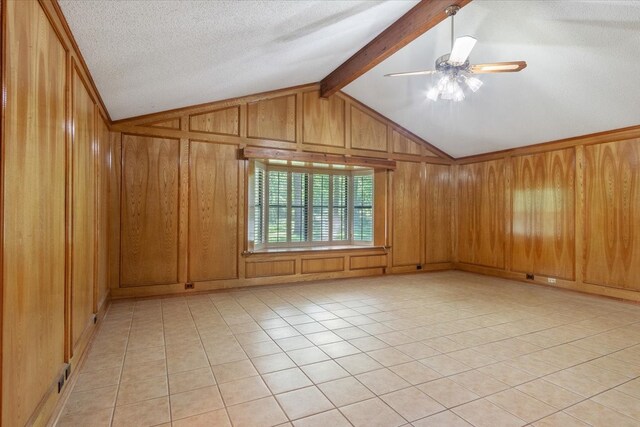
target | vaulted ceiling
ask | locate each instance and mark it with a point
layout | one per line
(582, 75)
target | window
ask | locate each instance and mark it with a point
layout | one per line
(297, 204)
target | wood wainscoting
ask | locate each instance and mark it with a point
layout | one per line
(566, 212)
(183, 192)
(54, 213)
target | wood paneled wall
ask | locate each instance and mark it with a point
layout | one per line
(566, 212)
(53, 209)
(186, 223)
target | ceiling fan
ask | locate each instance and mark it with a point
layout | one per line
(454, 67)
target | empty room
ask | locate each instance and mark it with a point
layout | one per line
(367, 213)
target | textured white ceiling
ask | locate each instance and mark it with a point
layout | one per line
(583, 75)
(148, 56)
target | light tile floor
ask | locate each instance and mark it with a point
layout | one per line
(437, 349)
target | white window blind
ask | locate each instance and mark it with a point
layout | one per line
(302, 206)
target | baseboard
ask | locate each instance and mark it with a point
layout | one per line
(562, 284)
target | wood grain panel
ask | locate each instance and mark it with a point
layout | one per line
(270, 268)
(481, 213)
(224, 122)
(272, 119)
(213, 212)
(323, 120)
(407, 193)
(367, 133)
(149, 219)
(368, 261)
(403, 145)
(33, 268)
(322, 265)
(612, 214)
(543, 233)
(102, 235)
(115, 177)
(83, 209)
(165, 124)
(438, 214)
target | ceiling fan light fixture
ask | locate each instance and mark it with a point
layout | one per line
(473, 83)
(461, 50)
(433, 93)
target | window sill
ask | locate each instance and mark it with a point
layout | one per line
(316, 249)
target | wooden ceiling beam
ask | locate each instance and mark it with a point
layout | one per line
(422, 17)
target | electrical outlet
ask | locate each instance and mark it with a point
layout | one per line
(418, 267)
(189, 286)
(530, 276)
(551, 280)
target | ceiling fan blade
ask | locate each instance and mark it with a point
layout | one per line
(498, 67)
(461, 50)
(411, 73)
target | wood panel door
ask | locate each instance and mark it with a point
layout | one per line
(543, 230)
(83, 210)
(438, 213)
(407, 216)
(33, 265)
(103, 217)
(149, 210)
(213, 211)
(612, 214)
(481, 213)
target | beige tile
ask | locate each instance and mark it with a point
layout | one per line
(286, 380)
(382, 381)
(623, 403)
(442, 419)
(146, 413)
(243, 390)
(272, 363)
(190, 380)
(479, 383)
(339, 349)
(303, 402)
(350, 333)
(136, 391)
(368, 343)
(233, 371)
(507, 374)
(389, 356)
(325, 337)
(598, 415)
(96, 418)
(331, 418)
(324, 371)
(632, 388)
(372, 413)
(264, 348)
(576, 383)
(482, 413)
(97, 379)
(306, 356)
(257, 413)
(144, 371)
(195, 402)
(521, 405)
(417, 350)
(559, 419)
(412, 404)
(415, 372)
(145, 355)
(218, 418)
(444, 364)
(550, 393)
(447, 392)
(345, 391)
(294, 343)
(358, 363)
(91, 400)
